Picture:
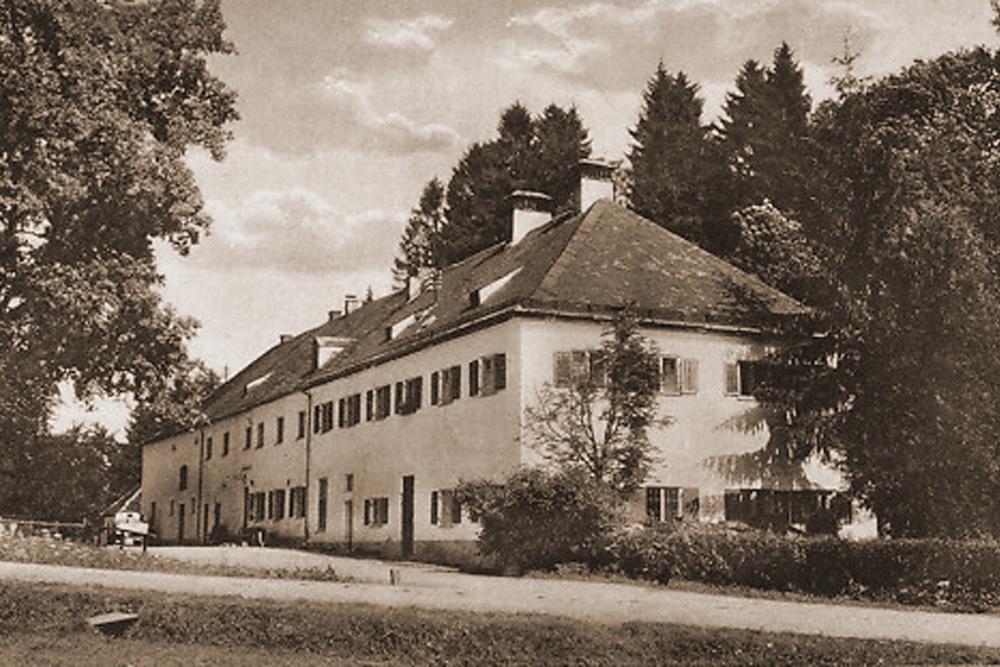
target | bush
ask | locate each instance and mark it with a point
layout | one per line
(536, 520)
(959, 575)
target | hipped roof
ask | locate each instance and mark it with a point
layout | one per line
(584, 265)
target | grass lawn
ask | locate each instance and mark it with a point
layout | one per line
(46, 624)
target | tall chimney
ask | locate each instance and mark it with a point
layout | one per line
(531, 210)
(351, 303)
(595, 182)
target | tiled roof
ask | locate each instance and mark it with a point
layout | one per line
(592, 262)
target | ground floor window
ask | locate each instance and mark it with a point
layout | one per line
(668, 503)
(376, 511)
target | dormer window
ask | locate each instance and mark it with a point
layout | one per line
(327, 347)
(253, 384)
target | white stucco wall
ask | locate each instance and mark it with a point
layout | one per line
(437, 445)
(161, 463)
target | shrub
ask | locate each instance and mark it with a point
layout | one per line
(538, 519)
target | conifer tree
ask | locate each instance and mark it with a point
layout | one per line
(420, 245)
(676, 171)
(539, 154)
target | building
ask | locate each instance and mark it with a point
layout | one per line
(354, 433)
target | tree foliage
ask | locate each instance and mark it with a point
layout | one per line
(677, 174)
(539, 154)
(764, 134)
(420, 245)
(536, 519)
(599, 424)
(902, 387)
(98, 104)
(175, 406)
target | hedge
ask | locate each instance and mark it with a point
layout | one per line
(962, 575)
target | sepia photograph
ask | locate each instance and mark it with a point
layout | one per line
(614, 332)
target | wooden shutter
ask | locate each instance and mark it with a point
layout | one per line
(473, 377)
(689, 376)
(446, 386)
(488, 382)
(732, 379)
(435, 383)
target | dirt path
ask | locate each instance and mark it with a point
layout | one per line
(438, 588)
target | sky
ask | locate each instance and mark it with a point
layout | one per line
(349, 107)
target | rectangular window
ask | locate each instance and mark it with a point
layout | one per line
(322, 504)
(446, 386)
(434, 387)
(342, 410)
(741, 378)
(297, 502)
(689, 376)
(474, 377)
(382, 402)
(279, 504)
(670, 376)
(279, 431)
(225, 443)
(494, 373)
(410, 400)
(301, 433)
(353, 410)
(450, 510)
(326, 417)
(369, 405)
(376, 511)
(270, 505)
(349, 482)
(317, 415)
(208, 448)
(434, 508)
(249, 440)
(571, 367)
(260, 435)
(455, 382)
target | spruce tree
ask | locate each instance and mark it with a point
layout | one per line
(676, 172)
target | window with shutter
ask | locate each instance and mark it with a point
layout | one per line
(342, 410)
(487, 379)
(689, 376)
(670, 382)
(434, 508)
(563, 371)
(732, 379)
(455, 379)
(369, 405)
(500, 372)
(434, 387)
(474, 377)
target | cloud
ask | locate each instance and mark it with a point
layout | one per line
(295, 231)
(391, 133)
(408, 34)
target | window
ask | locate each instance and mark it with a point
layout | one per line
(225, 443)
(382, 402)
(434, 508)
(342, 409)
(279, 431)
(741, 378)
(376, 511)
(297, 502)
(494, 377)
(326, 416)
(349, 482)
(350, 411)
(450, 511)
(451, 384)
(249, 438)
(183, 478)
(474, 377)
(301, 433)
(435, 381)
(575, 366)
(409, 395)
(322, 493)
(279, 504)
(317, 417)
(257, 506)
(678, 376)
(208, 448)
(260, 435)
(369, 405)
(667, 503)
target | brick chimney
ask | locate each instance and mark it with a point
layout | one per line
(531, 210)
(595, 182)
